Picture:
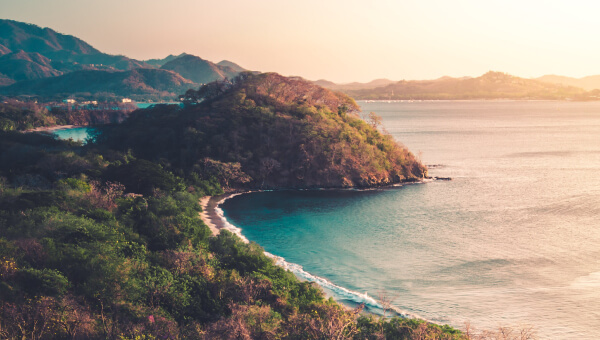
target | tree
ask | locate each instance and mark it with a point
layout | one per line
(143, 177)
(267, 165)
(385, 301)
(374, 120)
(32, 319)
(226, 173)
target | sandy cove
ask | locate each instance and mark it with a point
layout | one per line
(52, 128)
(209, 205)
(210, 217)
(209, 213)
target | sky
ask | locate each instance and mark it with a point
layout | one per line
(339, 40)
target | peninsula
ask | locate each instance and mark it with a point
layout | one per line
(105, 240)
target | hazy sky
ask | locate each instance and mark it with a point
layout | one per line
(339, 40)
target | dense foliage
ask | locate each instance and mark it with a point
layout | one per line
(20, 116)
(81, 259)
(268, 131)
(23, 116)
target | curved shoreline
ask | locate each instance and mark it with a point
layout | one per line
(213, 217)
(209, 215)
(54, 128)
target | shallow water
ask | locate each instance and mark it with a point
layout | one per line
(78, 134)
(513, 239)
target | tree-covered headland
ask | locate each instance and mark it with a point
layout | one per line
(104, 241)
(268, 131)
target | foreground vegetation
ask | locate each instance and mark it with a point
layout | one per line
(96, 243)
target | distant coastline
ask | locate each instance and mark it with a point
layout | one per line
(490, 86)
(465, 100)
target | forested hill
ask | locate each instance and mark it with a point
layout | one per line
(268, 131)
(66, 51)
(138, 84)
(43, 64)
(199, 70)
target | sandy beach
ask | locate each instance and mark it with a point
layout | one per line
(209, 214)
(52, 128)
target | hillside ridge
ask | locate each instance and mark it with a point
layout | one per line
(269, 131)
(29, 53)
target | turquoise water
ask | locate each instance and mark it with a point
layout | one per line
(78, 134)
(512, 240)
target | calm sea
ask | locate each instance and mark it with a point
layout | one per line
(512, 240)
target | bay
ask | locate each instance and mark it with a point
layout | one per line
(512, 240)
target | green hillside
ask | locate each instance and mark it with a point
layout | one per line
(276, 131)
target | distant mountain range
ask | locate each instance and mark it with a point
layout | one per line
(199, 70)
(67, 50)
(40, 62)
(161, 62)
(492, 85)
(587, 83)
(353, 86)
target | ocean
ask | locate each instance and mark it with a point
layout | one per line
(512, 240)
